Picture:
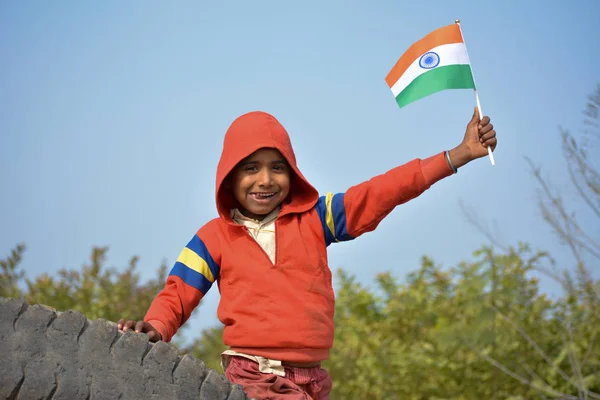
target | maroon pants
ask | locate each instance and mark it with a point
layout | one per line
(297, 384)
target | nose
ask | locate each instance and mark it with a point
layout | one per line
(264, 178)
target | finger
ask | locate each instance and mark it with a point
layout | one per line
(120, 323)
(491, 143)
(484, 121)
(489, 135)
(154, 336)
(139, 327)
(485, 129)
(475, 119)
(128, 325)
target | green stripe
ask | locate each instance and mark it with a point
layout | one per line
(442, 78)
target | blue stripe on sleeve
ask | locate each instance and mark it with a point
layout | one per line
(198, 247)
(322, 212)
(191, 277)
(339, 217)
(332, 214)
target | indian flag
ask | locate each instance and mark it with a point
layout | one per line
(437, 62)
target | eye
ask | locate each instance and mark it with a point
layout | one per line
(279, 167)
(250, 168)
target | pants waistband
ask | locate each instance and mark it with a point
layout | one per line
(266, 365)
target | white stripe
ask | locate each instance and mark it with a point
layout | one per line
(450, 54)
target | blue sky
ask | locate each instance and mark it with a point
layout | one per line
(113, 115)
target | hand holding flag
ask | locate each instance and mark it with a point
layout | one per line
(480, 137)
(437, 62)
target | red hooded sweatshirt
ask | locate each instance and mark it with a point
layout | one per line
(282, 310)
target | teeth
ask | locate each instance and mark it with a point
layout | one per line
(264, 194)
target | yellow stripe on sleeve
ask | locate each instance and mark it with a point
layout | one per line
(329, 214)
(193, 261)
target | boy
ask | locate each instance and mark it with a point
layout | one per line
(267, 251)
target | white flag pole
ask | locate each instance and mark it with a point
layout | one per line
(489, 149)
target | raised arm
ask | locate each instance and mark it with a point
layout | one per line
(345, 216)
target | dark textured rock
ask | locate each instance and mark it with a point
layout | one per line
(10, 309)
(11, 373)
(237, 393)
(215, 387)
(63, 348)
(62, 355)
(159, 365)
(188, 377)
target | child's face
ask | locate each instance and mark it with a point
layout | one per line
(261, 182)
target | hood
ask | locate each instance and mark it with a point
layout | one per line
(246, 134)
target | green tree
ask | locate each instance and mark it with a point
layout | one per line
(578, 232)
(460, 333)
(10, 274)
(94, 289)
(208, 347)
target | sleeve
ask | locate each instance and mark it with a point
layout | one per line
(345, 216)
(191, 277)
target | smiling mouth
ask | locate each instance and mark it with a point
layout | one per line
(262, 196)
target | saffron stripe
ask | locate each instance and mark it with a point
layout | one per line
(445, 35)
(449, 54)
(441, 78)
(191, 277)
